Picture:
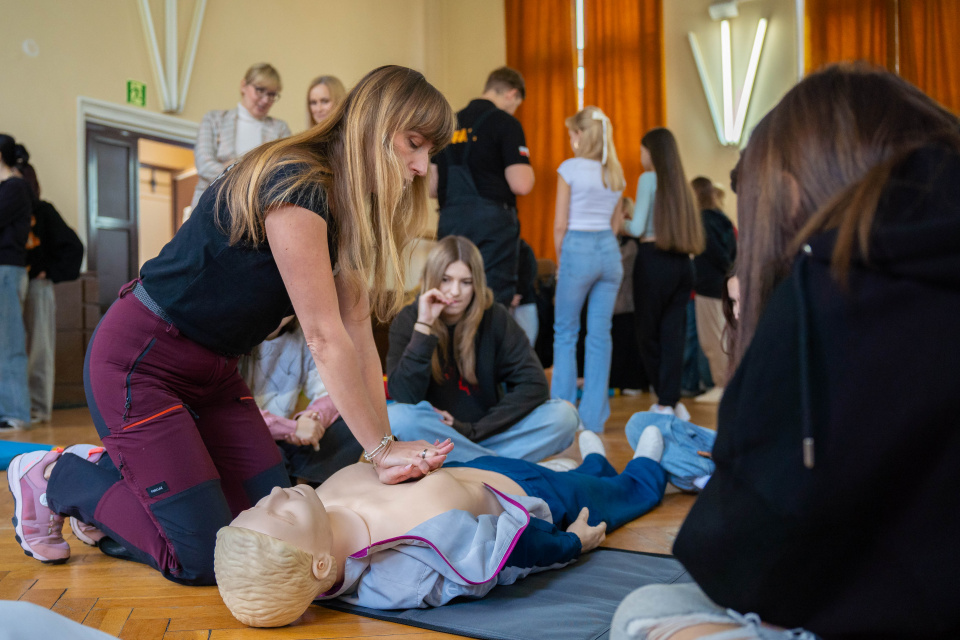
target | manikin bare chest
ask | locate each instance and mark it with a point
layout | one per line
(392, 510)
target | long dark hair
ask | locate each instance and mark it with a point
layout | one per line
(676, 221)
(820, 160)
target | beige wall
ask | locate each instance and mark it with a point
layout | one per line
(687, 113)
(92, 48)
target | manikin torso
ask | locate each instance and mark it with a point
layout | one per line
(389, 511)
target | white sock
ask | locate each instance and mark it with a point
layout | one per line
(559, 464)
(650, 444)
(591, 443)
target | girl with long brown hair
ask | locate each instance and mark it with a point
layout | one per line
(831, 507)
(460, 367)
(312, 225)
(670, 231)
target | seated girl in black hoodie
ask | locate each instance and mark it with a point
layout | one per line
(834, 504)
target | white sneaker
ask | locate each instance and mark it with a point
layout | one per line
(650, 444)
(681, 412)
(559, 464)
(630, 393)
(710, 397)
(589, 443)
(662, 409)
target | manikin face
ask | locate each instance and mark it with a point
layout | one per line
(414, 152)
(457, 285)
(295, 515)
(321, 104)
(258, 96)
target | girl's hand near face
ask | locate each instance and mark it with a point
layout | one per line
(430, 305)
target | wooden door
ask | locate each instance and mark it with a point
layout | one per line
(112, 186)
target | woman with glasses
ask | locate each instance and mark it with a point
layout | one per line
(224, 136)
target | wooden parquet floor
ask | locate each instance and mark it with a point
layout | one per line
(133, 602)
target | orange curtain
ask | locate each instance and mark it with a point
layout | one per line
(540, 45)
(623, 64)
(841, 30)
(930, 48)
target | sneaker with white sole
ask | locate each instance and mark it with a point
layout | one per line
(38, 529)
(662, 409)
(85, 533)
(681, 412)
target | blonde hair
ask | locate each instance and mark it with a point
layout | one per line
(596, 130)
(675, 220)
(447, 251)
(349, 159)
(265, 582)
(263, 71)
(334, 86)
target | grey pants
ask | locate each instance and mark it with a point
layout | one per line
(656, 612)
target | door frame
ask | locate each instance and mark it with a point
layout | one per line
(156, 125)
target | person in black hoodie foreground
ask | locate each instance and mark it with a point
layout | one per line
(834, 505)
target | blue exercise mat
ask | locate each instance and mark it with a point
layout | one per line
(9, 450)
(573, 603)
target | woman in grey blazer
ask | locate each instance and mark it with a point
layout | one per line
(224, 136)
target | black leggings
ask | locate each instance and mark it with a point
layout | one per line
(662, 283)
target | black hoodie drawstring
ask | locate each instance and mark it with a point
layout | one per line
(803, 337)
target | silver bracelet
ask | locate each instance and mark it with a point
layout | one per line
(384, 443)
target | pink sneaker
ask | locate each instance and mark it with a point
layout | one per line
(38, 530)
(85, 533)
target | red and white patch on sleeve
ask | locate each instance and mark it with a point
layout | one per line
(525, 152)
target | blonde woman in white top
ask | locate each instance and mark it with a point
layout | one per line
(226, 135)
(588, 192)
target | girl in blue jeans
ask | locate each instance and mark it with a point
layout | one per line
(588, 193)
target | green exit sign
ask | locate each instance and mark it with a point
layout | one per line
(136, 93)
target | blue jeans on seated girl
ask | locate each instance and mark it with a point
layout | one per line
(681, 442)
(590, 272)
(545, 431)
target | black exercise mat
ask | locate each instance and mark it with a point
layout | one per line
(573, 603)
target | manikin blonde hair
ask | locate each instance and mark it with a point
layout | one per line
(349, 158)
(596, 130)
(265, 582)
(447, 251)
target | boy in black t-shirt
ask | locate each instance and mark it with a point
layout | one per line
(478, 177)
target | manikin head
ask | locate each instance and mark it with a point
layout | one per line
(275, 558)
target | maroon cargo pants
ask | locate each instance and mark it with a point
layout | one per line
(188, 448)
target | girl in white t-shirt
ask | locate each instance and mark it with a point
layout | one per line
(588, 192)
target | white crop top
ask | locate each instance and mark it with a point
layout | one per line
(591, 203)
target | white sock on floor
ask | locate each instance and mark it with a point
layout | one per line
(650, 444)
(591, 443)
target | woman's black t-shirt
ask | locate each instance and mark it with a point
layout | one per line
(228, 298)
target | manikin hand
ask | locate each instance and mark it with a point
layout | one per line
(309, 431)
(590, 537)
(445, 417)
(430, 304)
(403, 460)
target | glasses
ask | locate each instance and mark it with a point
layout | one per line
(262, 92)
